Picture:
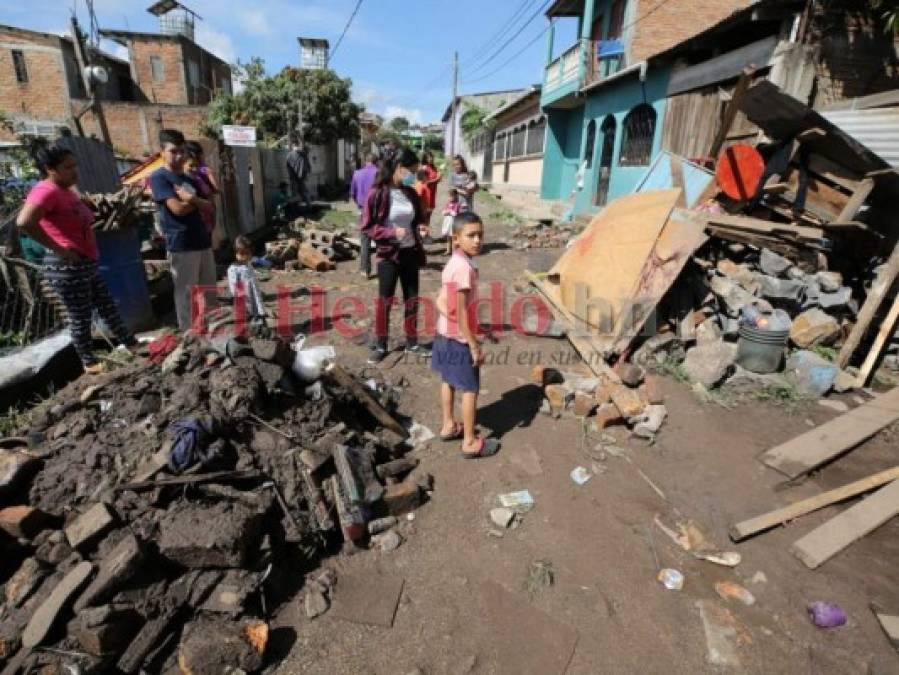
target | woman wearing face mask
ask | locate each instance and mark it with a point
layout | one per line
(391, 218)
(59, 219)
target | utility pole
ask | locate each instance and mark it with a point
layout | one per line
(453, 120)
(89, 86)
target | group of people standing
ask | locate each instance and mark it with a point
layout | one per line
(396, 195)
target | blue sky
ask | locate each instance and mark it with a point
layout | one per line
(397, 52)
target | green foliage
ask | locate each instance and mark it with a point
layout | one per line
(828, 353)
(433, 142)
(272, 105)
(472, 121)
(782, 395)
(399, 124)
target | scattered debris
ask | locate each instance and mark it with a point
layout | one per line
(580, 475)
(540, 576)
(826, 614)
(721, 634)
(502, 517)
(520, 501)
(728, 590)
(671, 579)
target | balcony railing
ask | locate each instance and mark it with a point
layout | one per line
(566, 68)
(606, 58)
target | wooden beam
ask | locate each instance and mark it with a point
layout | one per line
(95, 103)
(856, 201)
(812, 134)
(337, 374)
(810, 450)
(870, 308)
(824, 542)
(591, 355)
(764, 227)
(752, 526)
(885, 332)
(730, 112)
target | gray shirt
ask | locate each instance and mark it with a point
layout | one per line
(402, 214)
(459, 181)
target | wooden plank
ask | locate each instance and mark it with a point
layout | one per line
(856, 201)
(730, 112)
(885, 332)
(782, 246)
(591, 354)
(812, 134)
(759, 226)
(751, 526)
(824, 542)
(890, 625)
(870, 308)
(817, 446)
(369, 402)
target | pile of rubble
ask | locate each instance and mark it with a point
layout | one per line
(157, 516)
(542, 234)
(118, 210)
(315, 249)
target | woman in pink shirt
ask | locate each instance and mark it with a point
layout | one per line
(59, 219)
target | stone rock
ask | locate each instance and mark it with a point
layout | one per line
(838, 406)
(707, 331)
(628, 401)
(781, 289)
(844, 382)
(603, 393)
(710, 363)
(220, 535)
(584, 404)
(734, 296)
(557, 396)
(115, 568)
(402, 497)
(631, 374)
(773, 264)
(381, 524)
(211, 647)
(16, 471)
(24, 522)
(607, 415)
(87, 528)
(387, 541)
(650, 421)
(315, 601)
(810, 373)
(830, 282)
(25, 581)
(652, 390)
(814, 327)
(502, 517)
(104, 630)
(658, 349)
(42, 620)
(841, 298)
(738, 272)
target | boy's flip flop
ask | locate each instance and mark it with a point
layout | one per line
(487, 447)
(457, 433)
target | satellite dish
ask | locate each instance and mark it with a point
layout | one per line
(96, 74)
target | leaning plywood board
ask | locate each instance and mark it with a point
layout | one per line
(680, 237)
(890, 625)
(604, 264)
(822, 543)
(813, 448)
(751, 526)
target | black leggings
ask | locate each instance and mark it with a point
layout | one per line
(405, 270)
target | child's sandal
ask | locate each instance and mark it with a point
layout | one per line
(457, 433)
(487, 447)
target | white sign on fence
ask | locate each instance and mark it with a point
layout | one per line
(244, 137)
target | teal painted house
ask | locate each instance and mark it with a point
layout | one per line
(605, 99)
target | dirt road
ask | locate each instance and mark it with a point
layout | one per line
(464, 607)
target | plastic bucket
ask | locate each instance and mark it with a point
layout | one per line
(761, 351)
(122, 269)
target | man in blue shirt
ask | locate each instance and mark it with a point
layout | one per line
(187, 238)
(363, 179)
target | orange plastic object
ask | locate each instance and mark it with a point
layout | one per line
(740, 168)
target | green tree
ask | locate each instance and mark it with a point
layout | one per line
(399, 124)
(473, 120)
(273, 105)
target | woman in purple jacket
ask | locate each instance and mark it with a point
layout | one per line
(391, 218)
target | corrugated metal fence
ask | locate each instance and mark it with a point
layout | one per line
(876, 128)
(98, 170)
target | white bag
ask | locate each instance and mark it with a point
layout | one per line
(447, 228)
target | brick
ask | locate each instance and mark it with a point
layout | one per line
(556, 395)
(402, 497)
(606, 416)
(584, 404)
(24, 522)
(630, 374)
(42, 620)
(603, 393)
(83, 532)
(652, 390)
(220, 535)
(116, 568)
(628, 401)
(16, 470)
(104, 630)
(25, 581)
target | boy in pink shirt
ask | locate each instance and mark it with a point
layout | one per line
(456, 355)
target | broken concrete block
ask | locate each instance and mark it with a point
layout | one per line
(315, 601)
(25, 581)
(650, 421)
(230, 593)
(86, 529)
(43, 618)
(631, 374)
(502, 517)
(734, 296)
(738, 272)
(116, 568)
(584, 404)
(814, 327)
(710, 363)
(16, 471)
(557, 396)
(781, 289)
(209, 536)
(707, 331)
(211, 647)
(830, 282)
(24, 522)
(603, 393)
(396, 467)
(628, 401)
(275, 351)
(840, 298)
(106, 631)
(773, 264)
(387, 541)
(402, 497)
(652, 390)
(607, 415)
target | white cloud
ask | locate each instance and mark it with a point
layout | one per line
(215, 41)
(414, 115)
(255, 21)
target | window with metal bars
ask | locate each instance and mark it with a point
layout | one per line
(590, 143)
(518, 141)
(536, 134)
(638, 131)
(500, 147)
(18, 63)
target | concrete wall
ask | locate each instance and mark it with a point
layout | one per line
(524, 172)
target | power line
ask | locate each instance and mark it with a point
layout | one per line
(511, 39)
(346, 28)
(512, 58)
(498, 34)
